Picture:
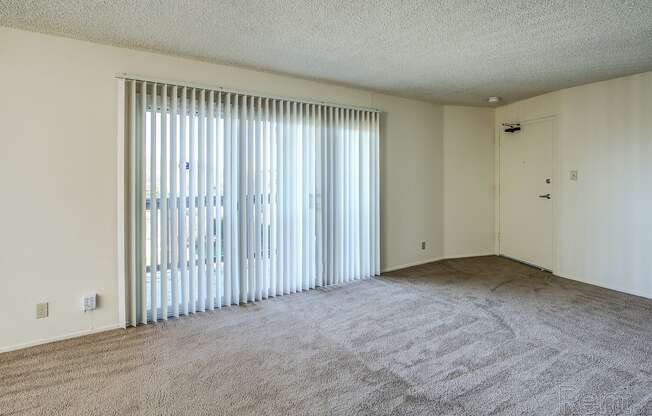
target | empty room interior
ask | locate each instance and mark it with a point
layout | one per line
(326, 207)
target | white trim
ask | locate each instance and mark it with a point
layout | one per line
(406, 265)
(120, 206)
(419, 263)
(556, 191)
(466, 256)
(497, 136)
(605, 286)
(59, 338)
(573, 279)
(525, 262)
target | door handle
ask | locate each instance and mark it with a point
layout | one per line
(547, 196)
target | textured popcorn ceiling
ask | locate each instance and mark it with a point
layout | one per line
(447, 51)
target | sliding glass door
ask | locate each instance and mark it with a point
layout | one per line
(236, 198)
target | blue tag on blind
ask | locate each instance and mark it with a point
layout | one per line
(187, 165)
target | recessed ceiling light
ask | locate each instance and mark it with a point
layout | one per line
(493, 100)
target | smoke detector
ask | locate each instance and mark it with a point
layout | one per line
(493, 100)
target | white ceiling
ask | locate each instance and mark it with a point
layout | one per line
(447, 51)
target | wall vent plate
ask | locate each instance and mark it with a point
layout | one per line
(89, 302)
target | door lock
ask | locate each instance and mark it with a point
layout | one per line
(546, 196)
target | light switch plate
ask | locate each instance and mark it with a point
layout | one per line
(41, 310)
(573, 175)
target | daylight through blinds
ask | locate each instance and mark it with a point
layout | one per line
(235, 198)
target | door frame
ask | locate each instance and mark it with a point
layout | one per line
(555, 187)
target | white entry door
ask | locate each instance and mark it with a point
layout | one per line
(526, 197)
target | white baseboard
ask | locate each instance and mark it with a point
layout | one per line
(418, 263)
(406, 265)
(464, 256)
(606, 286)
(59, 338)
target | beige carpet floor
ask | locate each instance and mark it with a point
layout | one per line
(479, 336)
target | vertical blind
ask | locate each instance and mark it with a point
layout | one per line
(235, 198)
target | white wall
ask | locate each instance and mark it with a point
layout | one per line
(58, 173)
(468, 181)
(604, 220)
(411, 170)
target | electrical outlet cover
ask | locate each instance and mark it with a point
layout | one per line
(41, 310)
(89, 302)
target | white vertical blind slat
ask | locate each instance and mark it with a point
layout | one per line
(174, 201)
(201, 179)
(312, 200)
(153, 200)
(334, 196)
(293, 197)
(376, 196)
(243, 202)
(250, 223)
(330, 205)
(192, 201)
(265, 200)
(284, 197)
(356, 195)
(319, 199)
(183, 200)
(372, 193)
(274, 175)
(283, 272)
(210, 205)
(353, 189)
(305, 196)
(365, 212)
(284, 208)
(340, 171)
(237, 236)
(299, 163)
(290, 123)
(142, 146)
(348, 235)
(258, 203)
(133, 206)
(229, 213)
(351, 181)
(164, 218)
(219, 164)
(133, 209)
